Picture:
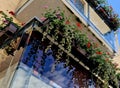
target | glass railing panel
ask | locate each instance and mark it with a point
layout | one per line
(92, 25)
(46, 71)
(79, 5)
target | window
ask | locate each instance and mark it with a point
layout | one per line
(79, 5)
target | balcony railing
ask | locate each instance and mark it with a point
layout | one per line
(106, 13)
(79, 5)
(95, 29)
(93, 3)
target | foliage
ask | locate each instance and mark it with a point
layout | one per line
(112, 18)
(101, 2)
(61, 31)
(4, 20)
(12, 46)
(118, 76)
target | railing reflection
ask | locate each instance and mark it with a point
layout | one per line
(36, 62)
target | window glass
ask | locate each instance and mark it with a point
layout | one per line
(79, 5)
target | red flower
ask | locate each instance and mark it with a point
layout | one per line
(12, 13)
(99, 52)
(1, 11)
(67, 22)
(22, 24)
(58, 15)
(78, 24)
(42, 18)
(88, 45)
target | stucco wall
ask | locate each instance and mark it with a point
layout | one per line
(8, 5)
(38, 6)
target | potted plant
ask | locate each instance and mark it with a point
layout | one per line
(93, 3)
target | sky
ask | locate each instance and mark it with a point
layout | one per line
(116, 5)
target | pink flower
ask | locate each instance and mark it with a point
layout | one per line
(42, 18)
(35, 72)
(111, 8)
(12, 13)
(46, 7)
(58, 15)
(5, 21)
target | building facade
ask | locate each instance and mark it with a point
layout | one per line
(29, 61)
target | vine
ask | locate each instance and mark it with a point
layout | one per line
(61, 31)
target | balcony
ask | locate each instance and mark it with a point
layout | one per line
(8, 32)
(37, 33)
(33, 65)
(106, 13)
(93, 3)
(92, 27)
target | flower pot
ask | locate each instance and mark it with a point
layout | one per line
(103, 13)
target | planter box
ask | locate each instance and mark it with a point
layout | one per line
(102, 13)
(93, 3)
(113, 25)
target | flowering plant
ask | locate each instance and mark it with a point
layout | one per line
(4, 20)
(64, 33)
(106, 12)
(112, 18)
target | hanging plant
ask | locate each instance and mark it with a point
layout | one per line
(4, 20)
(65, 34)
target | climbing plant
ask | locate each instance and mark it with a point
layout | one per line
(61, 33)
(4, 20)
(67, 35)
